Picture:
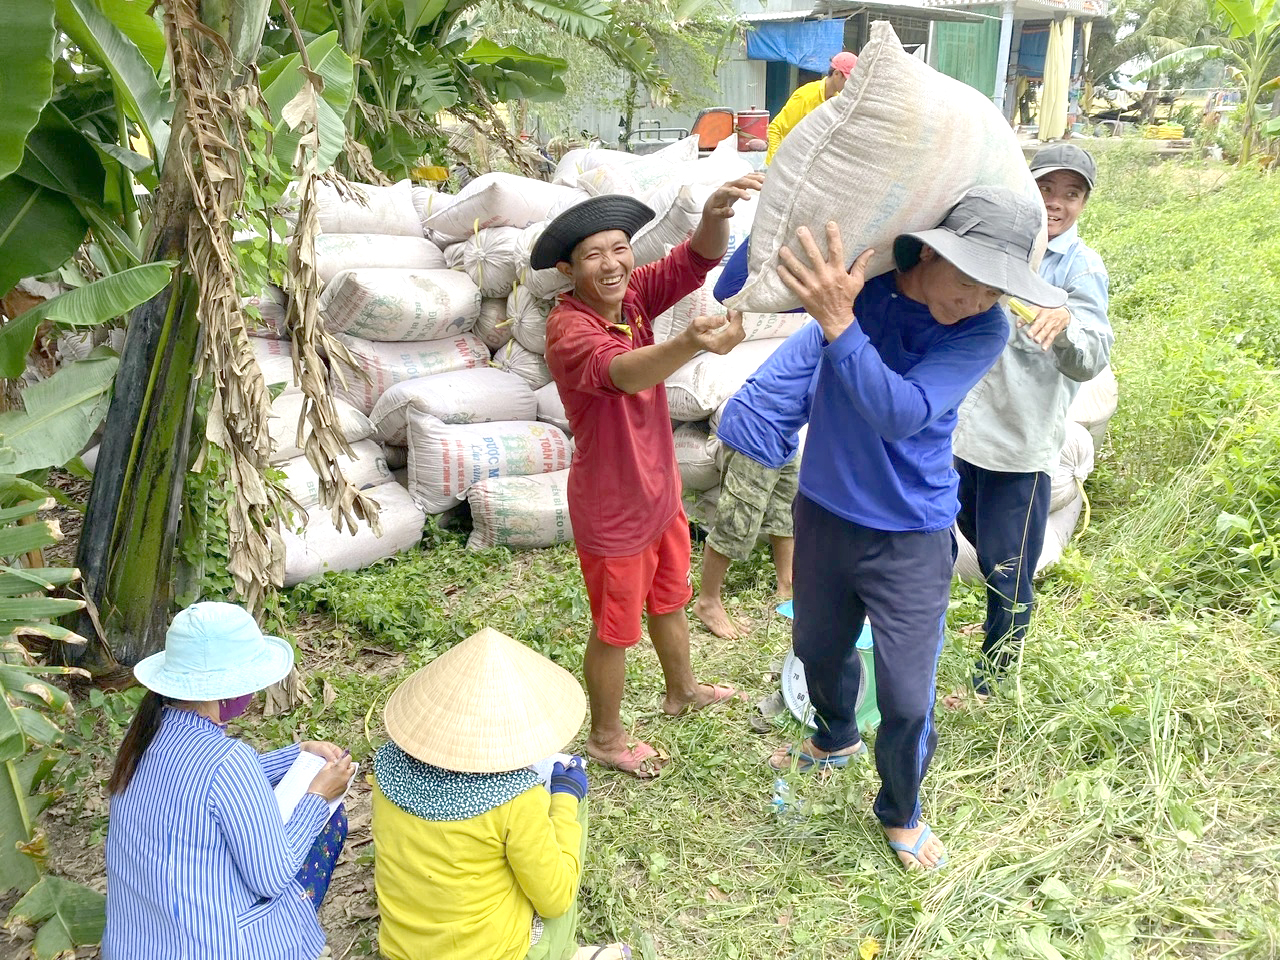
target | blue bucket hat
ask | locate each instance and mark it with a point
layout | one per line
(215, 651)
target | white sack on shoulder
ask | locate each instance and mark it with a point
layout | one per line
(286, 414)
(463, 396)
(551, 407)
(492, 325)
(525, 364)
(1095, 404)
(321, 547)
(520, 512)
(528, 317)
(386, 364)
(497, 200)
(446, 459)
(708, 380)
(389, 210)
(491, 258)
(336, 252)
(893, 152)
(365, 468)
(1075, 463)
(389, 304)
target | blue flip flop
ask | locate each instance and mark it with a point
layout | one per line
(806, 762)
(914, 849)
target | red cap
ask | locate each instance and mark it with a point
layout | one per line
(844, 62)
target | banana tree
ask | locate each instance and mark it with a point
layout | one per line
(1252, 45)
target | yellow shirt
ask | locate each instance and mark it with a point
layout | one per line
(797, 107)
(462, 889)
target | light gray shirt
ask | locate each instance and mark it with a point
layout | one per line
(1014, 420)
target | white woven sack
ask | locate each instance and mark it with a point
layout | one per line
(497, 200)
(389, 210)
(321, 547)
(893, 152)
(386, 364)
(525, 364)
(275, 359)
(492, 325)
(571, 198)
(772, 326)
(1095, 404)
(1059, 529)
(427, 202)
(551, 407)
(528, 317)
(397, 457)
(445, 459)
(722, 165)
(365, 468)
(708, 380)
(582, 159)
(520, 512)
(286, 413)
(491, 258)
(272, 305)
(336, 252)
(678, 211)
(389, 304)
(642, 174)
(1075, 463)
(481, 395)
(543, 284)
(696, 456)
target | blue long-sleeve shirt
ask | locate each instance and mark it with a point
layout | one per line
(199, 864)
(878, 451)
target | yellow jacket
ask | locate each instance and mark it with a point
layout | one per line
(797, 107)
(462, 889)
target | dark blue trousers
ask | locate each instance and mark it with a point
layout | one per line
(844, 574)
(1004, 516)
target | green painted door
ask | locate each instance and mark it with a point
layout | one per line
(968, 51)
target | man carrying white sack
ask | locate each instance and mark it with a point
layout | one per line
(629, 525)
(894, 356)
(1011, 427)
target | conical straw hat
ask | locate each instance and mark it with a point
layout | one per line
(488, 705)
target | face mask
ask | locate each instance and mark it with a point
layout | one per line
(230, 709)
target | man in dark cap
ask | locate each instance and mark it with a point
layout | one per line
(629, 526)
(1011, 427)
(878, 378)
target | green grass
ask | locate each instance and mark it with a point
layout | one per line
(1121, 800)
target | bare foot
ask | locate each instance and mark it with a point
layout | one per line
(634, 757)
(706, 695)
(964, 696)
(927, 855)
(807, 756)
(715, 618)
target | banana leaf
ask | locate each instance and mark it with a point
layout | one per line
(26, 83)
(39, 229)
(283, 80)
(68, 915)
(61, 414)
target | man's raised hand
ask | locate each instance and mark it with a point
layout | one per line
(717, 334)
(825, 289)
(720, 203)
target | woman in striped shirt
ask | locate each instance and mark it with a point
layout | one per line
(200, 865)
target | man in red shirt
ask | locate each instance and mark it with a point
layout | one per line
(624, 488)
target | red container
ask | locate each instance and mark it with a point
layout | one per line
(752, 124)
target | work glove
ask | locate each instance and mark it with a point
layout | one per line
(571, 779)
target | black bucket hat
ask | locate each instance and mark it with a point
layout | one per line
(990, 235)
(609, 212)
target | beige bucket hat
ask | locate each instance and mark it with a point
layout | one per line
(489, 705)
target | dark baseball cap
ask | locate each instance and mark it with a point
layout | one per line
(612, 211)
(990, 235)
(1064, 156)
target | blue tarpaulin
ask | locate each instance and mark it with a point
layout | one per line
(809, 44)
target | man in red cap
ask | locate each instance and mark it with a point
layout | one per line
(807, 97)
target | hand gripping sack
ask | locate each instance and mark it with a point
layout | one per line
(445, 459)
(491, 257)
(336, 252)
(526, 364)
(464, 396)
(708, 380)
(492, 326)
(520, 512)
(389, 304)
(366, 467)
(321, 547)
(893, 152)
(387, 210)
(528, 317)
(496, 200)
(385, 364)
